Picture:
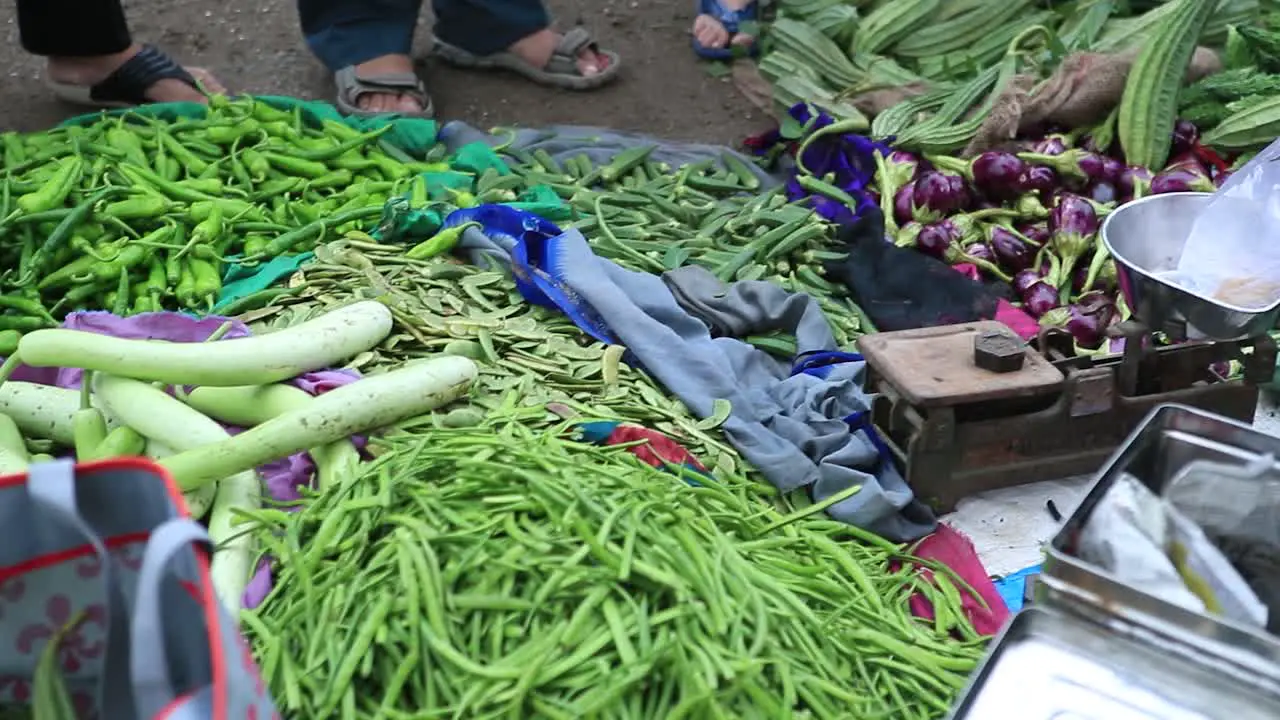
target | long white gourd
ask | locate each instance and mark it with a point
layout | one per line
(325, 341)
(364, 405)
(161, 417)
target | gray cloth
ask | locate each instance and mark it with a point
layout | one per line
(790, 427)
(599, 144)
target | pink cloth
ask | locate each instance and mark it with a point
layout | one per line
(949, 547)
(282, 478)
(1018, 321)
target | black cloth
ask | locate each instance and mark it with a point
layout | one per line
(73, 28)
(901, 289)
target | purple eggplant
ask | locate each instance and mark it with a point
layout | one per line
(1185, 136)
(1051, 145)
(1039, 179)
(1103, 192)
(1037, 233)
(1024, 279)
(937, 194)
(1074, 163)
(903, 212)
(1112, 169)
(1074, 223)
(943, 240)
(1135, 182)
(1012, 251)
(981, 251)
(1180, 179)
(907, 234)
(1086, 320)
(998, 175)
(1039, 298)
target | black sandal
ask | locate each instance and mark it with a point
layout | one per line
(128, 85)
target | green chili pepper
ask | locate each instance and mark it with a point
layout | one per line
(313, 231)
(185, 290)
(27, 306)
(189, 160)
(254, 245)
(157, 283)
(14, 151)
(440, 243)
(229, 207)
(389, 168)
(297, 166)
(9, 341)
(147, 180)
(212, 186)
(144, 304)
(55, 190)
(123, 296)
(76, 271)
(145, 206)
(333, 179)
(268, 114)
(206, 282)
(23, 323)
(277, 187)
(257, 165)
(129, 142)
(61, 233)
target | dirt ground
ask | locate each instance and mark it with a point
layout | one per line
(255, 46)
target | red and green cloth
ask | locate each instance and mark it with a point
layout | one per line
(651, 446)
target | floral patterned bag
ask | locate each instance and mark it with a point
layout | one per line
(102, 560)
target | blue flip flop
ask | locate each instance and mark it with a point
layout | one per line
(732, 20)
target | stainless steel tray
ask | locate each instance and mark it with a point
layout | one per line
(1050, 665)
(1170, 437)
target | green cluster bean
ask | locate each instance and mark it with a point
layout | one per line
(650, 217)
(502, 571)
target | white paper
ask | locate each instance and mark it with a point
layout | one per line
(1234, 245)
(1126, 536)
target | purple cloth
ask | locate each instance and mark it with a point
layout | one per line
(281, 477)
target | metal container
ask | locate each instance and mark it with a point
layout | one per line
(1096, 648)
(1049, 665)
(1146, 238)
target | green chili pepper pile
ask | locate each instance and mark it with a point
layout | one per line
(132, 213)
(495, 572)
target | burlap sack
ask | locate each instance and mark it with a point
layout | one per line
(1081, 93)
(877, 101)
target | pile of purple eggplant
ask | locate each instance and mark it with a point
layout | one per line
(1031, 218)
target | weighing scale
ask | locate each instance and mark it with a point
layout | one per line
(970, 407)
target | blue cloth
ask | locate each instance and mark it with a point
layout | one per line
(792, 427)
(1014, 587)
(342, 33)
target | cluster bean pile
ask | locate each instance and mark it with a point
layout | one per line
(498, 572)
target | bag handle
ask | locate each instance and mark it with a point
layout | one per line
(149, 664)
(52, 486)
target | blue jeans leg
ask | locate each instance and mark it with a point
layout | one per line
(485, 27)
(342, 33)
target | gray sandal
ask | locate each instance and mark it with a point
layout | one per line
(352, 85)
(561, 71)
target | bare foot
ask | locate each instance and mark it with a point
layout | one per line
(387, 102)
(88, 71)
(712, 34)
(537, 49)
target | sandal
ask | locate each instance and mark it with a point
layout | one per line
(352, 85)
(128, 85)
(560, 71)
(732, 20)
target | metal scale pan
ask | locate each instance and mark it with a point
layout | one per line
(1146, 238)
